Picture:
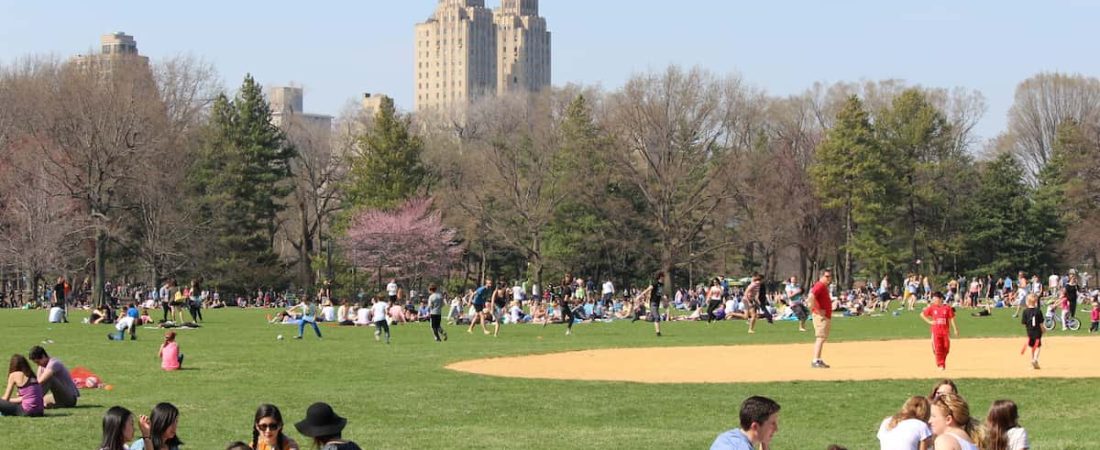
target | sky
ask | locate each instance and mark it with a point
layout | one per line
(338, 50)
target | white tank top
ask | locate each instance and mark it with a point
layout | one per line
(963, 444)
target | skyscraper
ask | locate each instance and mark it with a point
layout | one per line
(523, 47)
(465, 51)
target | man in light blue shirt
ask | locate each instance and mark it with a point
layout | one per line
(759, 419)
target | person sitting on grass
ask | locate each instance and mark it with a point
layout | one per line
(908, 429)
(759, 420)
(1002, 428)
(58, 386)
(118, 429)
(267, 430)
(28, 401)
(325, 427)
(944, 386)
(951, 423)
(158, 429)
(169, 353)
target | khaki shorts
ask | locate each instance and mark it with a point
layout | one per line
(822, 325)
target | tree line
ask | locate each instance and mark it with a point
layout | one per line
(115, 169)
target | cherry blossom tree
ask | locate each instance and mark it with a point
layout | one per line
(409, 242)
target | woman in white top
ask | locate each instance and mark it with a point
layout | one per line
(1002, 430)
(951, 423)
(908, 429)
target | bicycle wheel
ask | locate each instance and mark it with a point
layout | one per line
(1048, 323)
(1073, 324)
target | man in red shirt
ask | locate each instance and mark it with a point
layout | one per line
(822, 308)
(939, 315)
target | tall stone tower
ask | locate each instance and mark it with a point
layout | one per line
(455, 55)
(523, 47)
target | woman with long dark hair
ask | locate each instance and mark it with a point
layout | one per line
(1002, 428)
(29, 400)
(118, 429)
(158, 429)
(267, 430)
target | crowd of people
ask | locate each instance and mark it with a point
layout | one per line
(942, 420)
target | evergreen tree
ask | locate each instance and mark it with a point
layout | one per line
(241, 178)
(853, 175)
(998, 232)
(388, 170)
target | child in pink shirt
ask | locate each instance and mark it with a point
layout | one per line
(169, 354)
(1095, 316)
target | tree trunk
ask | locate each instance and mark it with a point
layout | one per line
(304, 273)
(98, 297)
(847, 271)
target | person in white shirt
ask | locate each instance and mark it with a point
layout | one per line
(391, 290)
(124, 323)
(908, 429)
(56, 314)
(517, 292)
(362, 318)
(378, 313)
(1002, 429)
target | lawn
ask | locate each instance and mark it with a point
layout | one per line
(399, 396)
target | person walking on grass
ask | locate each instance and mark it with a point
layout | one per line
(752, 301)
(379, 314)
(822, 309)
(940, 316)
(654, 294)
(435, 313)
(309, 315)
(480, 298)
(794, 301)
(564, 301)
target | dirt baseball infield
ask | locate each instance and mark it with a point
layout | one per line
(1062, 357)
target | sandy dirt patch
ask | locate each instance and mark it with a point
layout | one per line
(1062, 357)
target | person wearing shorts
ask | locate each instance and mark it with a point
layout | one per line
(481, 297)
(1033, 323)
(655, 300)
(822, 309)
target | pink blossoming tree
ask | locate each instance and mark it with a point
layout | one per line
(409, 242)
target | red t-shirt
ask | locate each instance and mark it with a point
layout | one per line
(822, 303)
(941, 316)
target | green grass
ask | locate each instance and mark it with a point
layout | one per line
(400, 396)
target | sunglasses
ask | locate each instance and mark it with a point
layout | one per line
(268, 426)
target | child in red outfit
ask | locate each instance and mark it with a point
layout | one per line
(939, 315)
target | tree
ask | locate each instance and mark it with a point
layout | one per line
(317, 173)
(997, 234)
(853, 175)
(386, 168)
(241, 179)
(408, 242)
(510, 177)
(93, 123)
(1077, 156)
(1042, 103)
(673, 139)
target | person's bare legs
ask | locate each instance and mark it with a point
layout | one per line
(819, 344)
(752, 320)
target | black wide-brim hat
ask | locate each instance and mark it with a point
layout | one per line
(321, 420)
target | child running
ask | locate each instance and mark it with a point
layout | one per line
(1033, 323)
(378, 315)
(939, 316)
(1095, 316)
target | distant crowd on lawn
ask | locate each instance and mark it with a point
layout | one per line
(941, 421)
(576, 299)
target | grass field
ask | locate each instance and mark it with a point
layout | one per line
(400, 396)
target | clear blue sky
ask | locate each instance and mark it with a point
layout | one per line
(337, 50)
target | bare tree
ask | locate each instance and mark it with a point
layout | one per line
(671, 135)
(1042, 103)
(93, 122)
(317, 171)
